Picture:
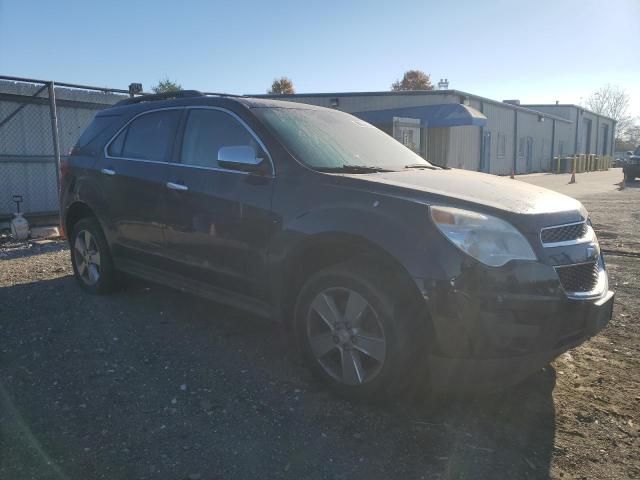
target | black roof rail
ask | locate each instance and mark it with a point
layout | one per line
(161, 96)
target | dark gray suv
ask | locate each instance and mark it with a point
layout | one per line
(383, 267)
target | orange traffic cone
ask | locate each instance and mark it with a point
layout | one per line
(573, 175)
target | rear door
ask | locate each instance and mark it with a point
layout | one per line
(218, 219)
(134, 171)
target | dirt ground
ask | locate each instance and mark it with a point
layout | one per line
(151, 383)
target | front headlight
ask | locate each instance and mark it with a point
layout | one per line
(486, 238)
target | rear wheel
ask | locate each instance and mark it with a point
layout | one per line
(90, 257)
(354, 335)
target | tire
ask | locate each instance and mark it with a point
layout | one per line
(368, 357)
(92, 266)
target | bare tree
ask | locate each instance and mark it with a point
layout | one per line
(633, 135)
(282, 86)
(413, 80)
(612, 101)
(166, 86)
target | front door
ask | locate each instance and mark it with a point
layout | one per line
(486, 151)
(529, 154)
(587, 136)
(218, 219)
(133, 175)
(605, 139)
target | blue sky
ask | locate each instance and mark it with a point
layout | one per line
(537, 51)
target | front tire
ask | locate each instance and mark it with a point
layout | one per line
(90, 257)
(356, 333)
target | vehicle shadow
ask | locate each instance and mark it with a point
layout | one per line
(628, 184)
(504, 434)
(149, 379)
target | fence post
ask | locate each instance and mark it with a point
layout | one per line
(54, 129)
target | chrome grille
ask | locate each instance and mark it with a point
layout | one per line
(563, 233)
(579, 278)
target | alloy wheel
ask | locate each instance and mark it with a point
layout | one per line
(87, 256)
(346, 336)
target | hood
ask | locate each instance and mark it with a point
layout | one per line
(499, 193)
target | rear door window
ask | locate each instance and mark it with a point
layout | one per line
(148, 137)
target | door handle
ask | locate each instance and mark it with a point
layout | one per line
(177, 186)
(108, 171)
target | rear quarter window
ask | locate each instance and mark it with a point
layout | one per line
(99, 124)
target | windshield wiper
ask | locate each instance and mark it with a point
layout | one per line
(353, 169)
(423, 165)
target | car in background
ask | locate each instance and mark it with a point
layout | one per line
(385, 269)
(631, 167)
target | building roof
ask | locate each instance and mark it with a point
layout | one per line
(443, 115)
(579, 107)
(419, 92)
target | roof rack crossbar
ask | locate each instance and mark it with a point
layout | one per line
(161, 96)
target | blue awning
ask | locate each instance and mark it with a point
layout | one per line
(443, 115)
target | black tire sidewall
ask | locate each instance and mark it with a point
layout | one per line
(395, 372)
(106, 281)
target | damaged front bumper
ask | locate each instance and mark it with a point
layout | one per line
(493, 329)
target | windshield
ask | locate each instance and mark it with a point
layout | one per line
(328, 139)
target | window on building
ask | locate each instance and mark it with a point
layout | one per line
(522, 147)
(407, 132)
(209, 130)
(502, 145)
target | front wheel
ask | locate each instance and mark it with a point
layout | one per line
(354, 334)
(91, 258)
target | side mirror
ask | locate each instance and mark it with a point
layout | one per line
(241, 157)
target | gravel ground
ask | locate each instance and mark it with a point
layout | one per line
(152, 383)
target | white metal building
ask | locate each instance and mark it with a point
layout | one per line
(462, 130)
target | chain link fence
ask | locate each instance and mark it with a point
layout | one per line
(40, 121)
